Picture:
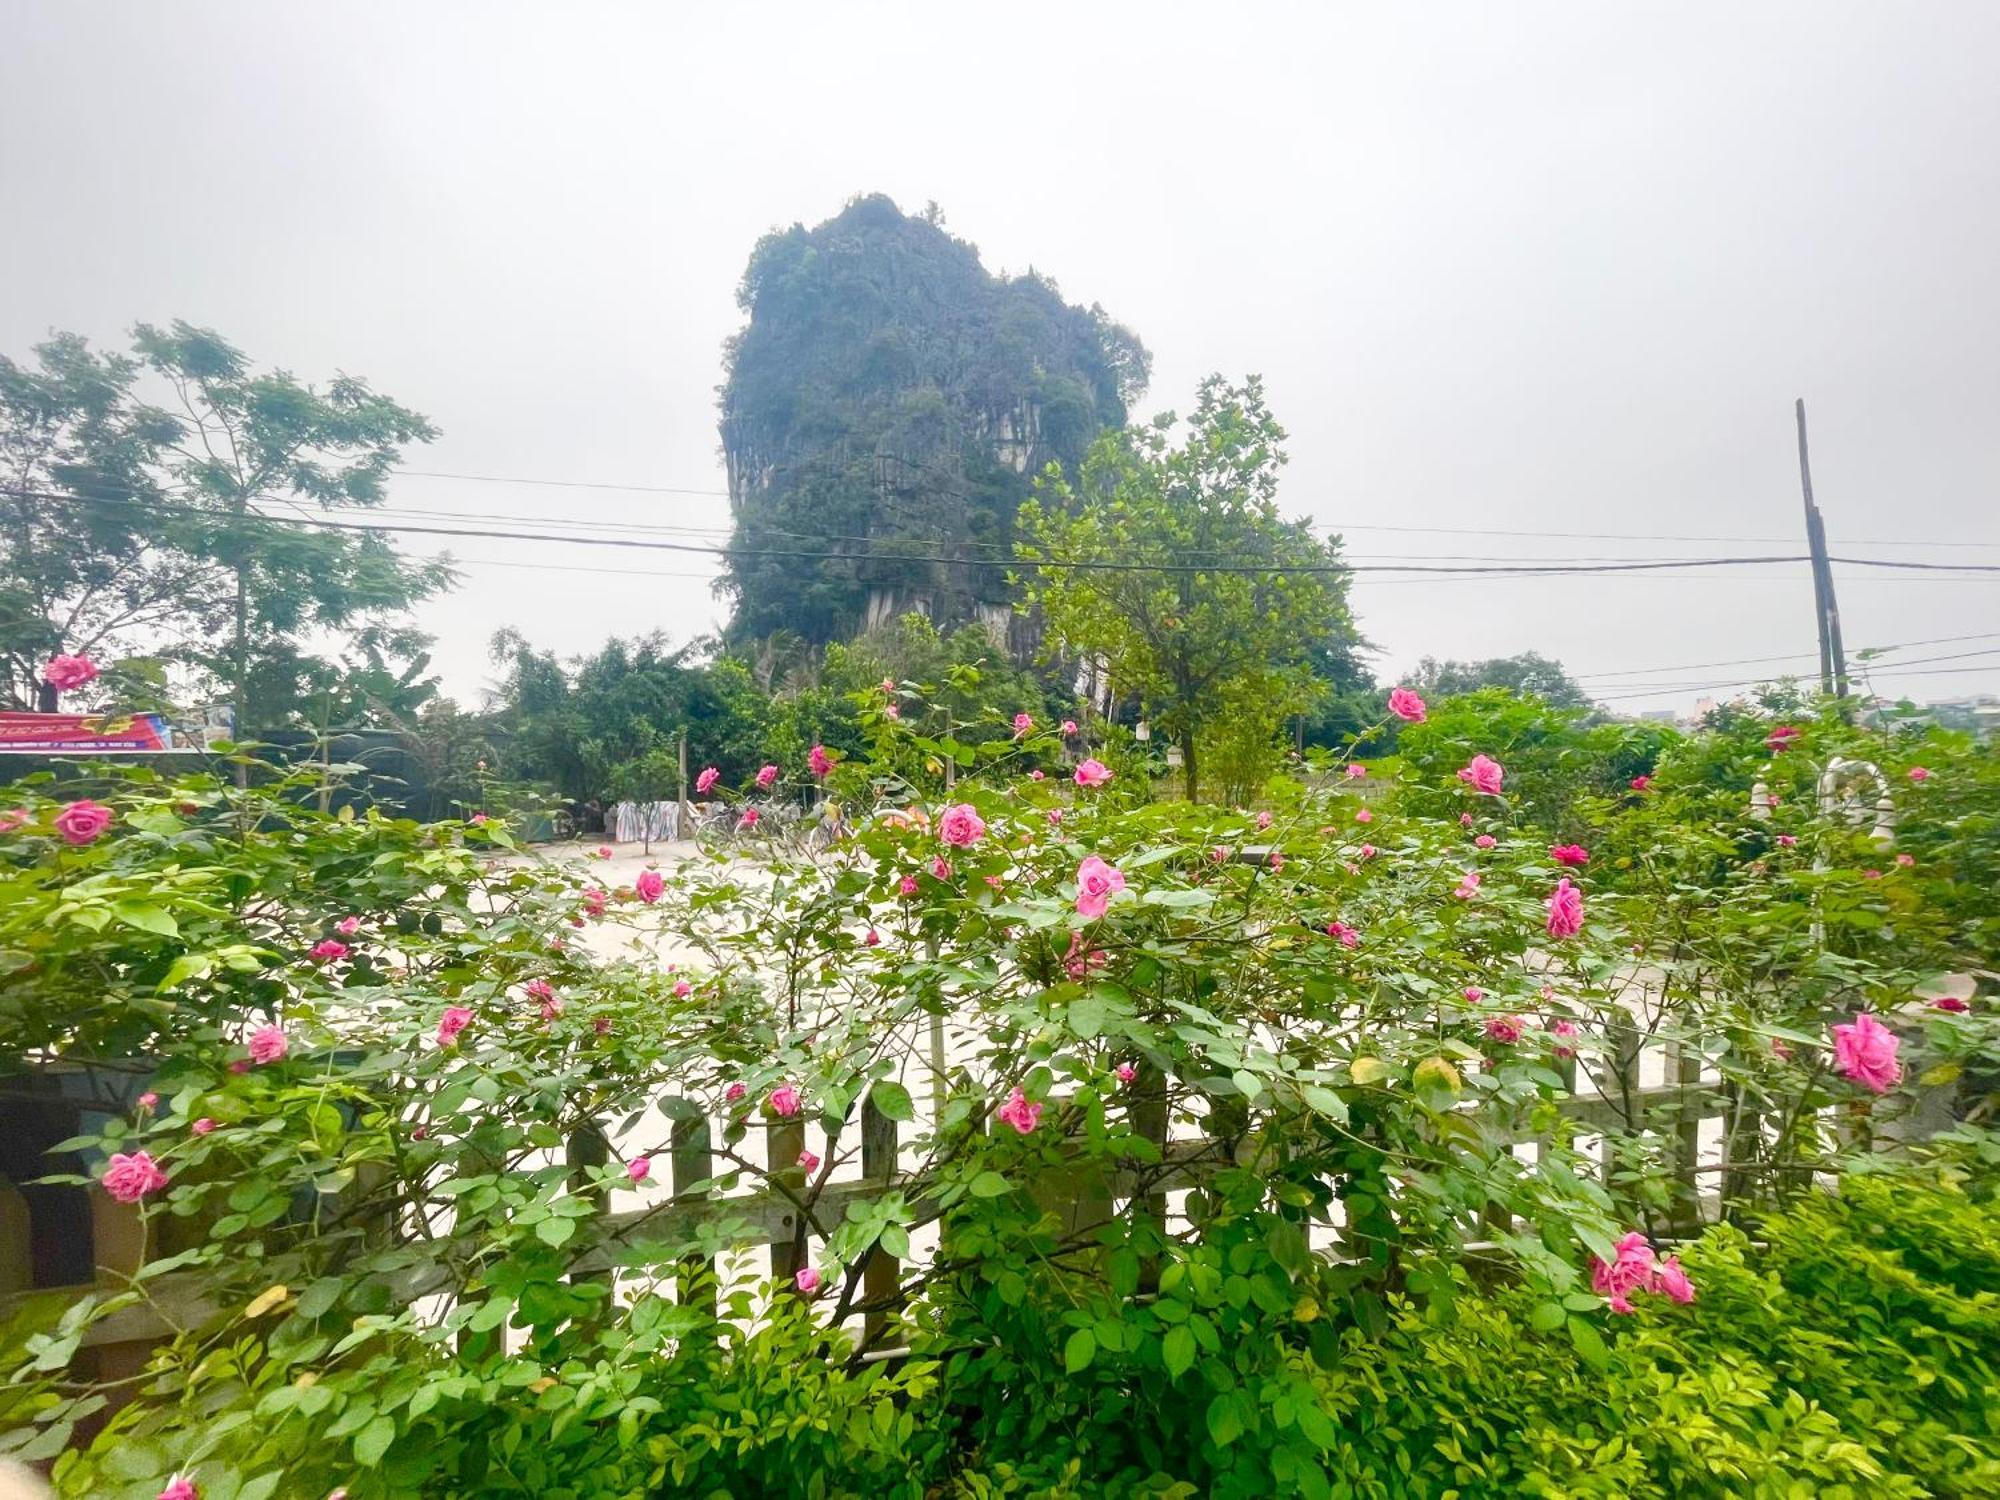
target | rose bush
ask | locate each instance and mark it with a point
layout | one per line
(1196, 1110)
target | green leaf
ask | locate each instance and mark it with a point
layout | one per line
(1086, 1016)
(1079, 1351)
(555, 1231)
(187, 966)
(1325, 1101)
(1177, 1350)
(1589, 1343)
(373, 1441)
(1225, 1420)
(892, 1101)
(146, 917)
(1547, 1317)
(988, 1185)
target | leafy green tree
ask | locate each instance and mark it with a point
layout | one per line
(1172, 565)
(244, 442)
(87, 567)
(1530, 672)
(887, 401)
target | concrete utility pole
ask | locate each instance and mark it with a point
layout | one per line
(1832, 659)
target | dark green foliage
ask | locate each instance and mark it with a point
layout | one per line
(891, 396)
(1530, 672)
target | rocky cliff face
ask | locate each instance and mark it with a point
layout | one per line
(889, 402)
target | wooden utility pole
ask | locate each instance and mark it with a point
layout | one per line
(1832, 658)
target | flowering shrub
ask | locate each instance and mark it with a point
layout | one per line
(1196, 1110)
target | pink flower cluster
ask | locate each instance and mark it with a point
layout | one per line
(1019, 1112)
(1634, 1268)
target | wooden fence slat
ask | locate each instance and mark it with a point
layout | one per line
(691, 1160)
(784, 1141)
(883, 1273)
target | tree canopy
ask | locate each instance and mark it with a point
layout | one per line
(888, 401)
(1529, 672)
(1172, 566)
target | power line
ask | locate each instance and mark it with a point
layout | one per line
(1747, 661)
(1599, 536)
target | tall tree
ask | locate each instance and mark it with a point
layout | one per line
(247, 445)
(1172, 565)
(888, 401)
(1529, 672)
(87, 567)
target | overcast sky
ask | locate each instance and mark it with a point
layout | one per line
(1544, 268)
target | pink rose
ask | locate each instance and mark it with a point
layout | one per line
(1023, 724)
(1642, 783)
(1348, 937)
(1036, 776)
(1565, 910)
(1468, 886)
(819, 762)
(682, 989)
(1906, 860)
(733, 1094)
(1474, 993)
(941, 868)
(327, 951)
(594, 897)
(1364, 816)
(1918, 773)
(1019, 1113)
(1780, 739)
(1092, 772)
(1672, 1280)
(1569, 854)
(766, 775)
(1055, 817)
(180, 1487)
(455, 1019)
(1355, 771)
(14, 818)
(1787, 840)
(705, 782)
(148, 1099)
(604, 851)
(539, 989)
(807, 1280)
(1943, 1002)
(871, 939)
(1503, 1028)
(1366, 851)
(268, 1044)
(130, 1178)
(961, 825)
(477, 819)
(1264, 819)
(907, 885)
(1126, 1072)
(1483, 774)
(785, 1101)
(808, 1163)
(1069, 728)
(81, 822)
(1406, 705)
(649, 885)
(749, 820)
(638, 1168)
(347, 926)
(892, 711)
(202, 1126)
(68, 673)
(1484, 841)
(1865, 1050)
(1632, 1271)
(1096, 883)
